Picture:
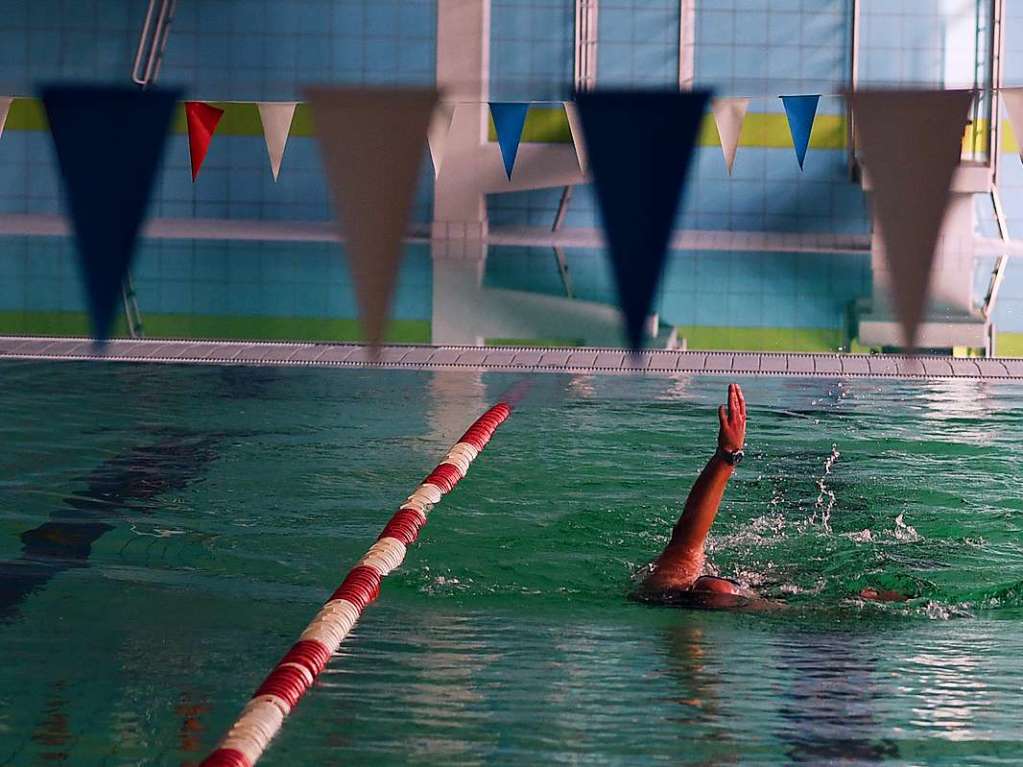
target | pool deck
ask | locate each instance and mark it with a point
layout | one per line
(510, 359)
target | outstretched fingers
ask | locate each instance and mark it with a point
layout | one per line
(733, 401)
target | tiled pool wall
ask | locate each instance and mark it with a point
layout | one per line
(261, 49)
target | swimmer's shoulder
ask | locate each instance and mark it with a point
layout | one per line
(705, 594)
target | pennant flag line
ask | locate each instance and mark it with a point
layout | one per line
(440, 127)
(639, 144)
(5, 107)
(508, 121)
(107, 198)
(372, 141)
(800, 112)
(911, 143)
(729, 115)
(577, 136)
(202, 122)
(1013, 99)
(276, 118)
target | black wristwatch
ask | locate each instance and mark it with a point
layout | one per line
(731, 457)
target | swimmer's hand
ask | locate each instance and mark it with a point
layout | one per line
(732, 434)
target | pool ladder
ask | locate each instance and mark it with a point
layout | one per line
(145, 69)
(998, 275)
(152, 42)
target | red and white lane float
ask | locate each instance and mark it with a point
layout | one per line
(295, 673)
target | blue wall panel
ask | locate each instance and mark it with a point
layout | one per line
(265, 49)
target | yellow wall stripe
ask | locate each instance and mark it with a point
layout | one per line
(545, 124)
(240, 118)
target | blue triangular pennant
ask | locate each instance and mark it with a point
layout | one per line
(800, 111)
(109, 141)
(508, 121)
(639, 145)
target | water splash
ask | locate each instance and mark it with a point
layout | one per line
(905, 533)
(826, 496)
(863, 536)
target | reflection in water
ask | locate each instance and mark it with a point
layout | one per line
(830, 700)
(694, 666)
(456, 398)
(954, 693)
(53, 732)
(533, 656)
(582, 386)
(426, 672)
(190, 735)
(946, 398)
(677, 388)
(444, 693)
(122, 485)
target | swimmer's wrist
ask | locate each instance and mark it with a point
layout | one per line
(731, 457)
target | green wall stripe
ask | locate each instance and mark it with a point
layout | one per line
(253, 328)
(540, 343)
(709, 338)
(247, 328)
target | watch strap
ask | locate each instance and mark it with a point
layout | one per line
(731, 457)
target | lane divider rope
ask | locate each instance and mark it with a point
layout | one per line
(264, 714)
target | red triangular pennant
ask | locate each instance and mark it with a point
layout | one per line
(202, 123)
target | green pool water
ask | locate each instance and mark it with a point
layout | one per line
(166, 533)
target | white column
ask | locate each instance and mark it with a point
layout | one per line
(952, 276)
(464, 312)
(463, 77)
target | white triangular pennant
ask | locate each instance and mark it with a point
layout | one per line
(911, 143)
(576, 128)
(5, 107)
(1013, 99)
(729, 115)
(372, 140)
(276, 118)
(440, 126)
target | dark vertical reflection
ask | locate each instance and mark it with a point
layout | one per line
(830, 702)
(124, 484)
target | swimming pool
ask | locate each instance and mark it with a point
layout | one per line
(196, 517)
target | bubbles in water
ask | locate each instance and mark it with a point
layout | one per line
(792, 589)
(903, 532)
(863, 536)
(939, 612)
(154, 532)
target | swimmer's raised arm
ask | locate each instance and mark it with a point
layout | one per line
(682, 559)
